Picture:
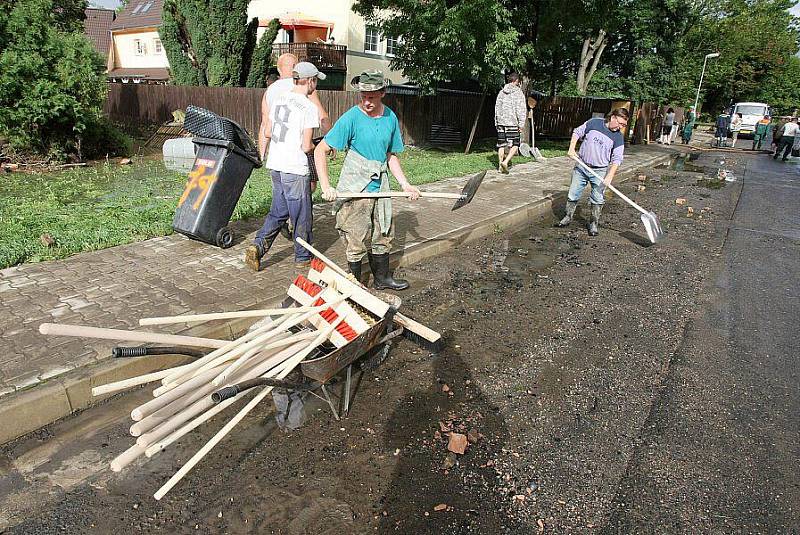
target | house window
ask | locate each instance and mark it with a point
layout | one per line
(157, 46)
(392, 45)
(139, 47)
(372, 40)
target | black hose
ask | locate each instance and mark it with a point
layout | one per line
(143, 351)
(234, 390)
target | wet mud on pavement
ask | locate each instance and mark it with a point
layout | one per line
(559, 346)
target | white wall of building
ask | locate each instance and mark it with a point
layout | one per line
(145, 56)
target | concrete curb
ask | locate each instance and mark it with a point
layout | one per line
(29, 410)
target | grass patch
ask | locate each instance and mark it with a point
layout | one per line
(91, 208)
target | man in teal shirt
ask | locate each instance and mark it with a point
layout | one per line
(371, 133)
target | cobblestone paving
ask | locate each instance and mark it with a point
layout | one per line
(174, 275)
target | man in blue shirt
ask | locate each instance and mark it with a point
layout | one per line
(371, 132)
(602, 149)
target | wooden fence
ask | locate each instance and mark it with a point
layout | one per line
(554, 117)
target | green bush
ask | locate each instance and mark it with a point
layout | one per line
(103, 138)
(51, 81)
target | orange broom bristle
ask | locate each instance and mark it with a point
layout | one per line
(328, 314)
(317, 264)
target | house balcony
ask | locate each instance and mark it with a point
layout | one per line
(326, 57)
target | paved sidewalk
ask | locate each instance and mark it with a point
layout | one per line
(174, 275)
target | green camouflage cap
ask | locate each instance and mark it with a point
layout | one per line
(370, 81)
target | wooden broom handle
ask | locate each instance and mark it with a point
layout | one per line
(83, 331)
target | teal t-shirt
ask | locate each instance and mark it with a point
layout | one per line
(371, 137)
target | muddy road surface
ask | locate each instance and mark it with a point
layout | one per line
(604, 385)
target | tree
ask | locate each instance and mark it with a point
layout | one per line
(51, 79)
(262, 56)
(208, 42)
(447, 40)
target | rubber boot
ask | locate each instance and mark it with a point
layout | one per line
(571, 206)
(383, 280)
(594, 221)
(355, 269)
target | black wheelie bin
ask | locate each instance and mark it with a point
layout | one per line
(225, 158)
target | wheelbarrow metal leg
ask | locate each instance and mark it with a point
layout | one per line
(347, 383)
(330, 403)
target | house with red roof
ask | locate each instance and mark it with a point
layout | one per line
(136, 54)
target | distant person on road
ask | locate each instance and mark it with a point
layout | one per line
(666, 127)
(736, 125)
(790, 130)
(761, 131)
(688, 127)
(722, 125)
(510, 113)
(293, 118)
(778, 132)
(283, 85)
(602, 149)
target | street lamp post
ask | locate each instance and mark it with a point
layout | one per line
(697, 99)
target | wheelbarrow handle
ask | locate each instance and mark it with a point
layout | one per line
(610, 186)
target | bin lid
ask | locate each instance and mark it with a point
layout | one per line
(230, 145)
(207, 124)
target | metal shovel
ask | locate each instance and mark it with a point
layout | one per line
(462, 199)
(649, 219)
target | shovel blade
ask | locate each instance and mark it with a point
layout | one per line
(653, 227)
(469, 190)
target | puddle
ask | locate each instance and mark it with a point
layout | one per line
(682, 163)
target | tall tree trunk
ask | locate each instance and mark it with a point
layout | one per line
(590, 57)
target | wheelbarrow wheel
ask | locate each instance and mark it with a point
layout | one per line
(224, 238)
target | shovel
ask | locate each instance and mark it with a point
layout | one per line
(462, 199)
(649, 219)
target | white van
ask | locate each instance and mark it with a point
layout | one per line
(752, 112)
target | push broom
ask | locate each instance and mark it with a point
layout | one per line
(649, 219)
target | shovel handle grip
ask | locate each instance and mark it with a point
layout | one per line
(386, 194)
(610, 186)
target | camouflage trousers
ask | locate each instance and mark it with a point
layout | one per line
(357, 224)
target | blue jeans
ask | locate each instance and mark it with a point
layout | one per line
(291, 198)
(581, 177)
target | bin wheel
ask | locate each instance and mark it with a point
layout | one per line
(224, 238)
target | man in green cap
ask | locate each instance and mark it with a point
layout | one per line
(371, 132)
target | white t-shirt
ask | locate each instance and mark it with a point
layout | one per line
(278, 88)
(290, 113)
(790, 129)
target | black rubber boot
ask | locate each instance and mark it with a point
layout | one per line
(383, 280)
(570, 208)
(355, 269)
(594, 221)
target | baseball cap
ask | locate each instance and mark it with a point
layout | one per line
(304, 69)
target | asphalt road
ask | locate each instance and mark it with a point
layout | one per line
(720, 451)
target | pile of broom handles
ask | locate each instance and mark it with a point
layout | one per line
(182, 401)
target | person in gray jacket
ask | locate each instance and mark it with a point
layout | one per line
(510, 112)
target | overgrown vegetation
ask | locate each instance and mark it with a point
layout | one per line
(52, 84)
(92, 208)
